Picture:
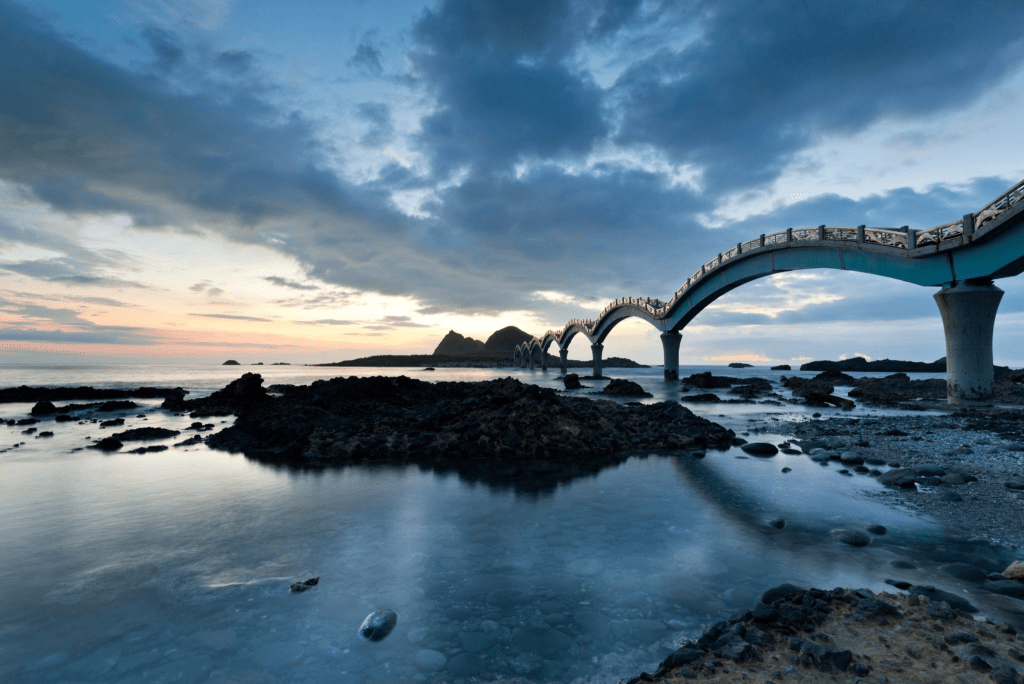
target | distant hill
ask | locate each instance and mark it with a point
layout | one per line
(458, 350)
(859, 363)
(455, 344)
(504, 342)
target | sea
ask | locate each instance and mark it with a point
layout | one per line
(175, 566)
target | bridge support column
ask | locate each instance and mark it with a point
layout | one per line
(543, 359)
(968, 316)
(563, 357)
(530, 353)
(670, 344)
(597, 348)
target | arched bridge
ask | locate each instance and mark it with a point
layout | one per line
(962, 258)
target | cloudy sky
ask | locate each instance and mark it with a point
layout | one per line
(307, 181)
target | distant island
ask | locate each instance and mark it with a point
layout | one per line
(230, 362)
(460, 351)
(859, 363)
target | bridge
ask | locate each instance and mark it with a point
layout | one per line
(963, 258)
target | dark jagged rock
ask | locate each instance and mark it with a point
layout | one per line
(835, 377)
(708, 381)
(27, 395)
(706, 397)
(501, 432)
(142, 433)
(572, 381)
(815, 392)
(116, 405)
(306, 585)
(625, 388)
(898, 387)
(108, 444)
(43, 408)
(245, 391)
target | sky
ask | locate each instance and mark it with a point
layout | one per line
(305, 182)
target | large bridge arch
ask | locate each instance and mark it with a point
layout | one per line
(962, 257)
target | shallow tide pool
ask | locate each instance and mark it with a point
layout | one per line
(176, 565)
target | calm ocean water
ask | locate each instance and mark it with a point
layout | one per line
(175, 565)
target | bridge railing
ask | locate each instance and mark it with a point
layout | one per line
(939, 234)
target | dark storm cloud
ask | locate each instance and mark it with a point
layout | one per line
(378, 115)
(503, 89)
(166, 48)
(285, 282)
(766, 78)
(367, 57)
(236, 62)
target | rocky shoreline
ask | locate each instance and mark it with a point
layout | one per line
(811, 635)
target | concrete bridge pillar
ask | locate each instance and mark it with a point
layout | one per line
(530, 354)
(597, 348)
(543, 359)
(563, 355)
(670, 344)
(968, 316)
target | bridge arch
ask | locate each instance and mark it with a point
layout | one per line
(962, 257)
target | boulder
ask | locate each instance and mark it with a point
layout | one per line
(572, 381)
(707, 397)
(851, 537)
(707, 381)
(1015, 571)
(625, 388)
(379, 624)
(760, 449)
(964, 571)
(835, 377)
(43, 408)
(899, 477)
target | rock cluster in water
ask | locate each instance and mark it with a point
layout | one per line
(498, 431)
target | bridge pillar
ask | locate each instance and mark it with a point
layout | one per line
(670, 344)
(543, 359)
(968, 316)
(530, 354)
(597, 348)
(563, 357)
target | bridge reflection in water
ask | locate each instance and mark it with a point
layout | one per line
(963, 258)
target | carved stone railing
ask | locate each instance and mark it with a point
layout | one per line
(939, 234)
(999, 205)
(901, 240)
(886, 237)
